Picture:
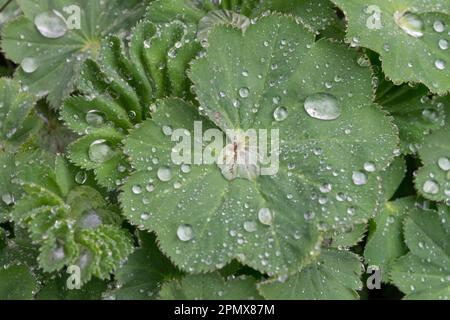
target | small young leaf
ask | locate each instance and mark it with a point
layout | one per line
(210, 287)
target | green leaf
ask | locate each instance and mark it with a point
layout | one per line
(433, 180)
(424, 272)
(9, 192)
(216, 210)
(415, 113)
(210, 287)
(121, 87)
(406, 34)
(334, 276)
(71, 227)
(393, 176)
(386, 243)
(141, 277)
(56, 289)
(10, 11)
(348, 238)
(18, 119)
(54, 57)
(16, 283)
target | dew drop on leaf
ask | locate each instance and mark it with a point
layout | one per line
(369, 167)
(431, 187)
(359, 178)
(8, 199)
(265, 216)
(95, 118)
(244, 92)
(185, 232)
(185, 168)
(280, 114)
(438, 26)
(444, 163)
(322, 106)
(136, 189)
(50, 25)
(250, 226)
(410, 23)
(100, 151)
(439, 64)
(81, 177)
(29, 65)
(164, 174)
(443, 44)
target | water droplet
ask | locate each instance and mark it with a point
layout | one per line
(325, 188)
(438, 26)
(185, 232)
(58, 254)
(409, 22)
(100, 151)
(309, 215)
(29, 65)
(164, 174)
(150, 187)
(95, 118)
(322, 106)
(136, 189)
(280, 114)
(250, 226)
(8, 199)
(431, 187)
(145, 216)
(443, 44)
(359, 178)
(81, 177)
(444, 163)
(167, 130)
(185, 168)
(363, 61)
(369, 167)
(439, 64)
(265, 216)
(244, 92)
(50, 25)
(90, 220)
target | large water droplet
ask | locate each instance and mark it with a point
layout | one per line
(444, 163)
(8, 199)
(100, 151)
(185, 232)
(359, 178)
(244, 92)
(280, 114)
(369, 167)
(50, 25)
(265, 216)
(409, 22)
(90, 220)
(322, 106)
(136, 189)
(438, 26)
(95, 118)
(431, 187)
(439, 64)
(29, 65)
(164, 174)
(81, 177)
(443, 44)
(250, 226)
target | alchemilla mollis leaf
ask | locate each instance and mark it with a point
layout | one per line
(53, 38)
(333, 143)
(410, 35)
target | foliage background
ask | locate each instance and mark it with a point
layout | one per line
(84, 117)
